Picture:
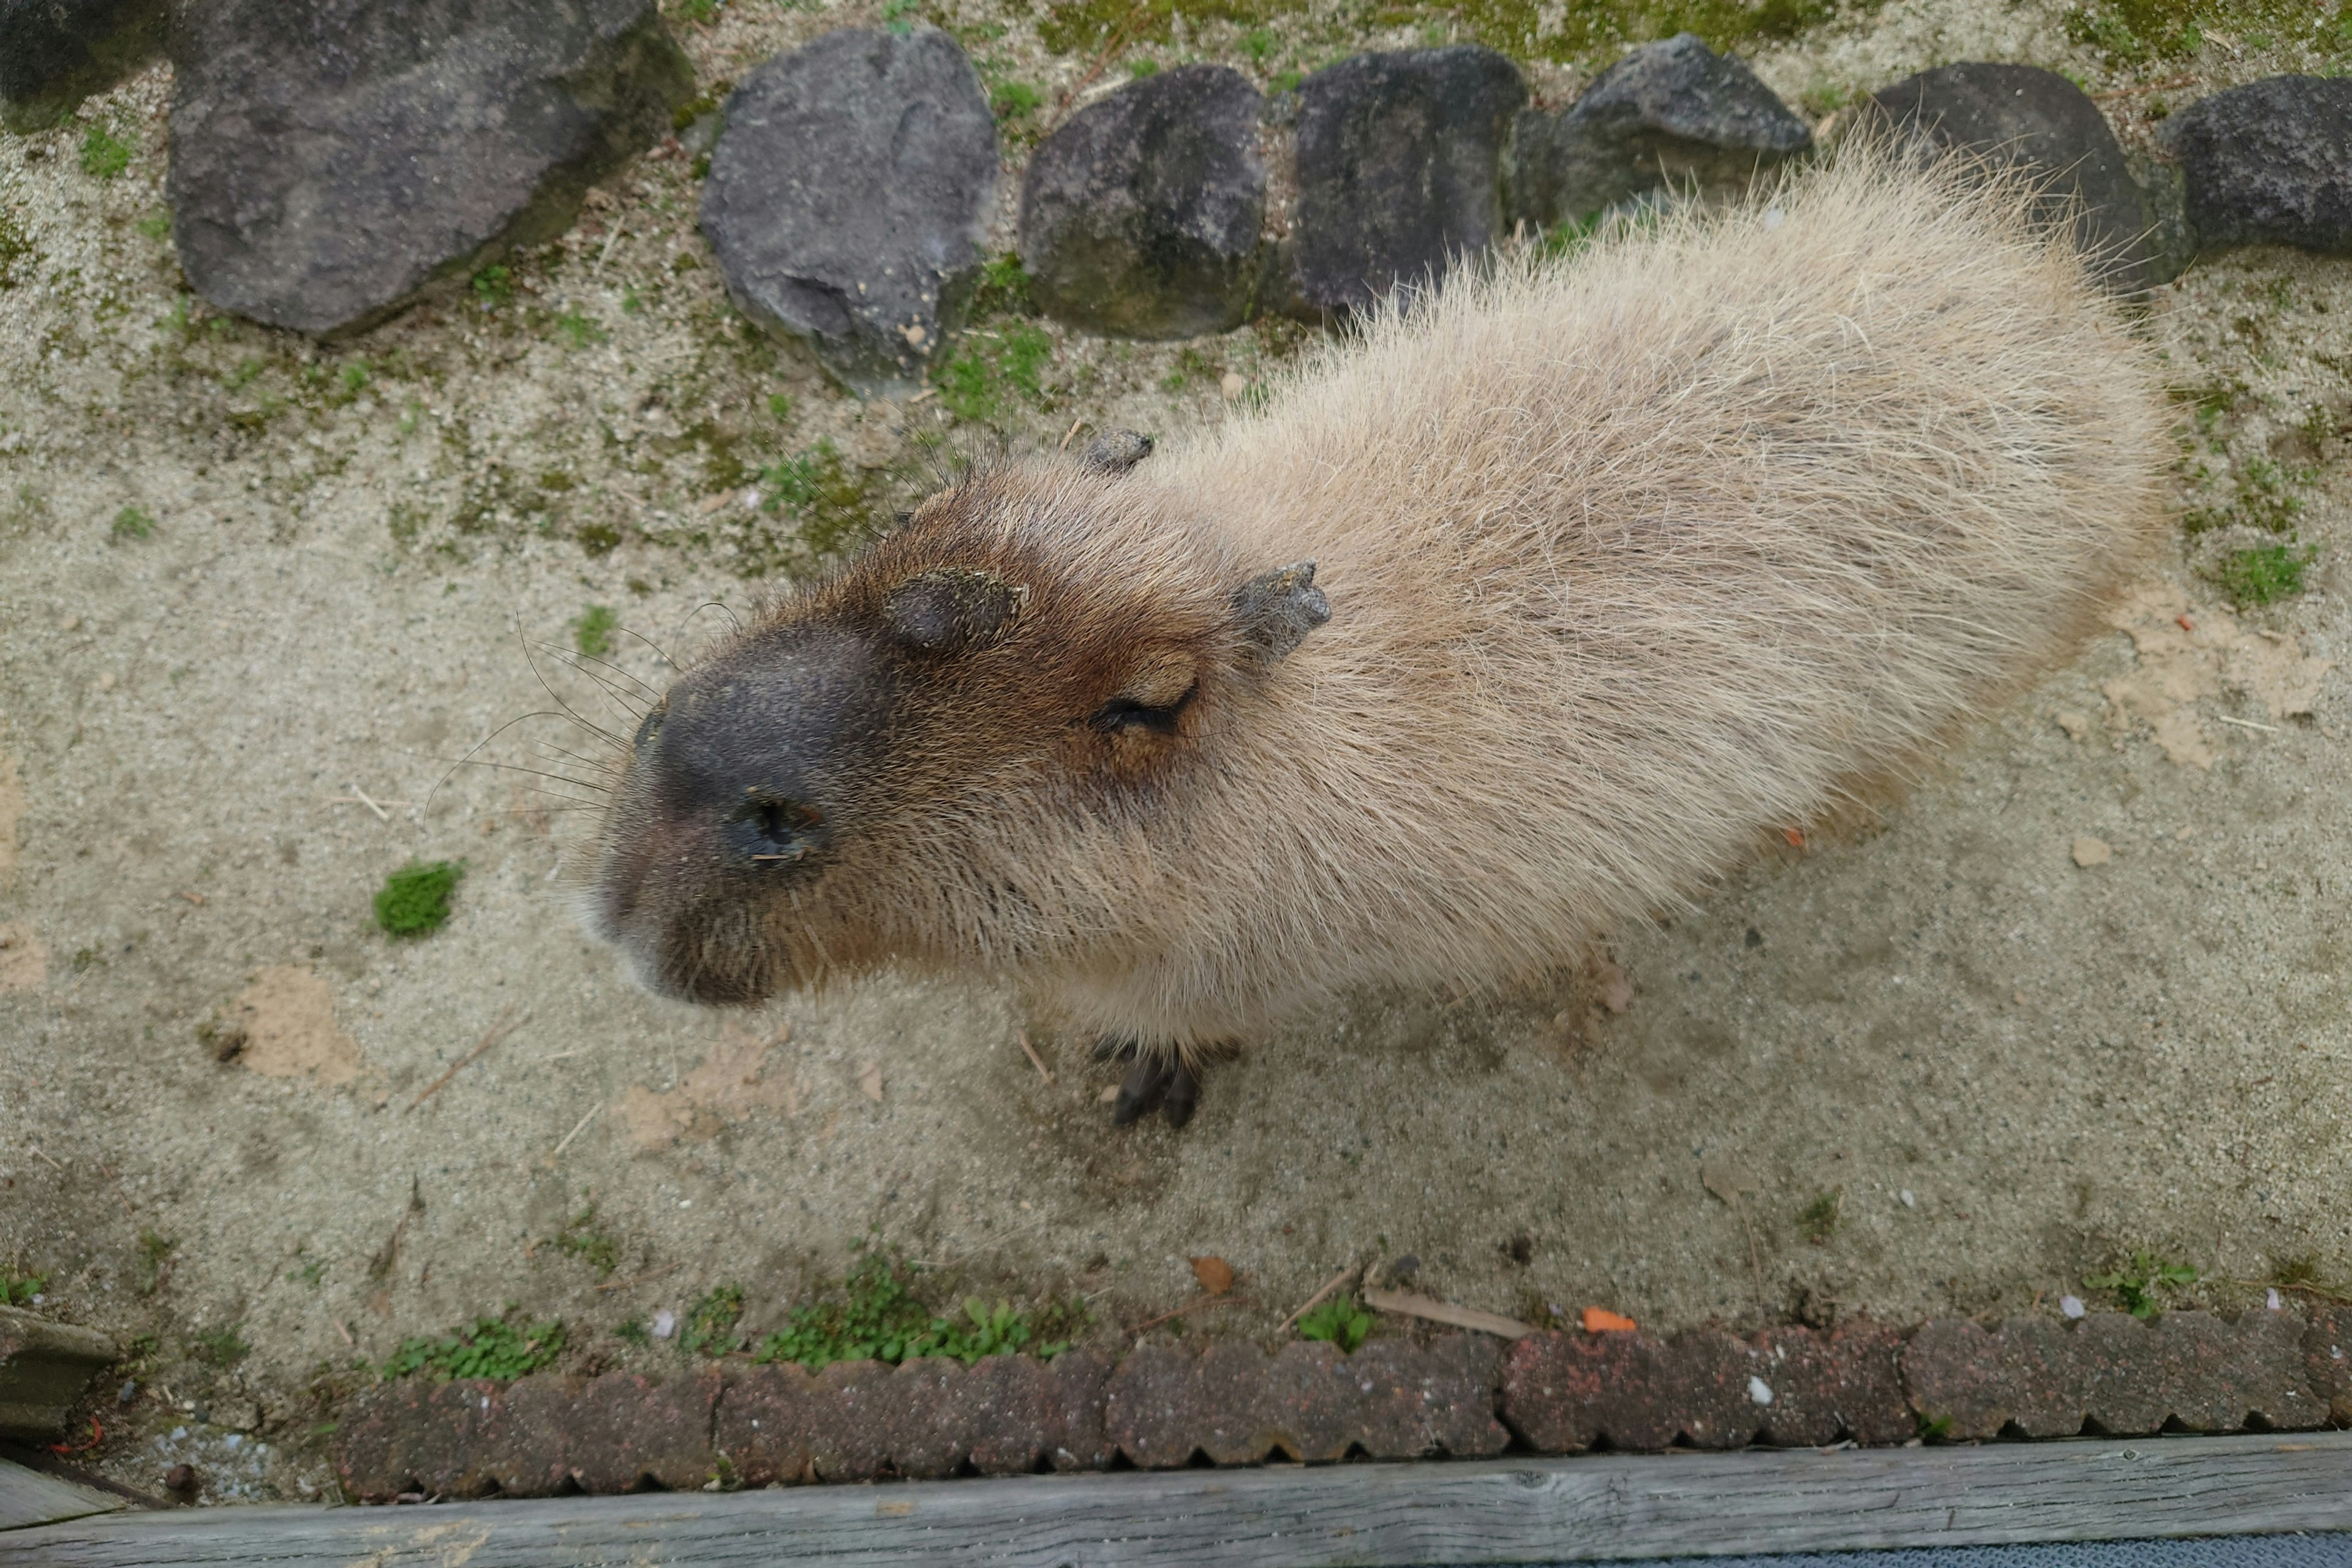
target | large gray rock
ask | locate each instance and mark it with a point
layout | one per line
(848, 197)
(1668, 114)
(2039, 122)
(55, 53)
(1142, 215)
(2268, 164)
(331, 158)
(1399, 170)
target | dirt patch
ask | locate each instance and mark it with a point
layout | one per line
(287, 1019)
(733, 1082)
(12, 812)
(2185, 654)
(23, 960)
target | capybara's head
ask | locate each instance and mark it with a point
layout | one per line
(958, 751)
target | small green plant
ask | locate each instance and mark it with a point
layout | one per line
(155, 1251)
(414, 901)
(894, 14)
(309, 1271)
(578, 330)
(878, 1318)
(592, 632)
(709, 1326)
(1003, 290)
(18, 1290)
(779, 408)
(2265, 574)
(1819, 1219)
(1258, 43)
(493, 1348)
(2140, 1284)
(1934, 1429)
(585, 1238)
(820, 489)
(631, 304)
(156, 226)
(103, 154)
(974, 383)
(131, 523)
(493, 287)
(242, 376)
(1137, 69)
(1339, 1321)
(1015, 101)
(353, 379)
(700, 11)
(220, 1347)
(634, 1333)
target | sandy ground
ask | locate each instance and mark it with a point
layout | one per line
(1999, 1067)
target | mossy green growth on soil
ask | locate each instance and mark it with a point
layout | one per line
(2265, 574)
(876, 1317)
(103, 154)
(2141, 1284)
(487, 1347)
(414, 901)
(18, 1290)
(1339, 1321)
(592, 634)
(2136, 32)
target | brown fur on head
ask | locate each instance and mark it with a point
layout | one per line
(865, 775)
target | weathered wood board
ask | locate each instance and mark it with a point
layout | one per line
(29, 1498)
(1488, 1511)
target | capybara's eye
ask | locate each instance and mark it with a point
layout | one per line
(1127, 714)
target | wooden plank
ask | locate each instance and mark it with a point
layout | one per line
(1484, 1511)
(29, 1498)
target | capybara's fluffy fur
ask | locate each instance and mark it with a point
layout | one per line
(1632, 557)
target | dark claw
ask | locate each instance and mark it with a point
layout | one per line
(1183, 1096)
(1144, 1092)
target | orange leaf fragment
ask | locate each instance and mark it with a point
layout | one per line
(1215, 1275)
(1601, 1321)
(2184, 623)
(1795, 835)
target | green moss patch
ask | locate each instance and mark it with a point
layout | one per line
(876, 1316)
(2264, 576)
(103, 154)
(592, 632)
(414, 901)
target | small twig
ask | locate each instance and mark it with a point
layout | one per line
(44, 1154)
(1031, 1052)
(375, 805)
(1438, 1312)
(195, 898)
(606, 254)
(637, 1279)
(1205, 1303)
(1072, 433)
(2248, 724)
(578, 1128)
(1334, 1283)
(498, 1031)
(923, 397)
(349, 1343)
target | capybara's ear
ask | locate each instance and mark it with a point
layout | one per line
(950, 608)
(1114, 452)
(1276, 610)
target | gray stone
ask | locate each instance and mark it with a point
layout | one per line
(44, 1368)
(2041, 123)
(1669, 114)
(330, 159)
(848, 197)
(1142, 215)
(55, 53)
(1399, 170)
(2268, 164)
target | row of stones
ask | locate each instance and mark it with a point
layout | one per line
(325, 173)
(1464, 1395)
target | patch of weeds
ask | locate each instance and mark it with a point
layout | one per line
(1190, 365)
(900, 16)
(1819, 1219)
(1003, 290)
(823, 493)
(1339, 1321)
(103, 154)
(585, 1238)
(2265, 574)
(155, 1251)
(779, 408)
(2267, 497)
(2140, 1284)
(309, 1271)
(1934, 1429)
(592, 632)
(700, 12)
(87, 958)
(219, 1347)
(1825, 99)
(631, 304)
(493, 287)
(414, 901)
(493, 1348)
(876, 1317)
(1137, 69)
(976, 383)
(156, 226)
(634, 1333)
(15, 248)
(18, 1290)
(709, 1326)
(242, 376)
(130, 523)
(1258, 44)
(1015, 101)
(597, 539)
(578, 330)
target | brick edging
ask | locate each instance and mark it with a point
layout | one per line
(1460, 1395)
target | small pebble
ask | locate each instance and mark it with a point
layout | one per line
(128, 1392)
(1909, 1202)
(2090, 852)
(180, 1478)
(2070, 1305)
(1233, 386)
(106, 681)
(2274, 1302)
(1760, 1391)
(2075, 725)
(199, 1414)
(665, 1323)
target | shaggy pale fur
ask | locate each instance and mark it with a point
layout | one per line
(1632, 558)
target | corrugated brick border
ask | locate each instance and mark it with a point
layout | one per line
(1161, 1407)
